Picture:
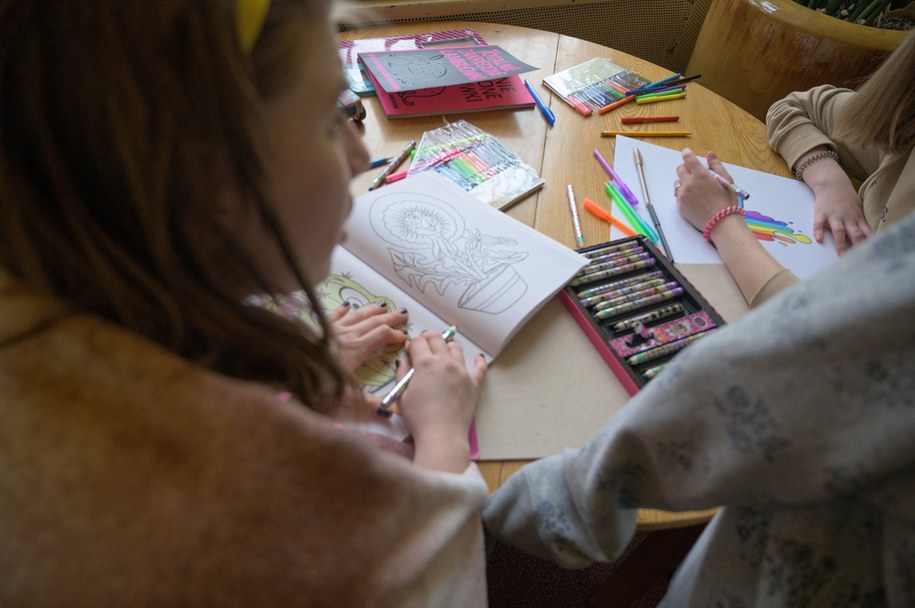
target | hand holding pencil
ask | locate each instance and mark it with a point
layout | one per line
(699, 194)
(439, 404)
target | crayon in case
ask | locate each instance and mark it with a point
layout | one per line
(636, 308)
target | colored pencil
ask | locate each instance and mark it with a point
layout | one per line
(646, 133)
(637, 120)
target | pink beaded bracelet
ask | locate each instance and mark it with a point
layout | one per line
(723, 213)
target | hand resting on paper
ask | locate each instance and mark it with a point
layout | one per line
(439, 403)
(837, 207)
(361, 332)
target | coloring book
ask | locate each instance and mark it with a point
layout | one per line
(499, 94)
(359, 81)
(398, 71)
(426, 245)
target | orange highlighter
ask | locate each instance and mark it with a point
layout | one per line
(601, 213)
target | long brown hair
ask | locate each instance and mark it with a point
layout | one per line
(882, 112)
(119, 121)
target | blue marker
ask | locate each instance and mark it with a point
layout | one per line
(663, 81)
(547, 113)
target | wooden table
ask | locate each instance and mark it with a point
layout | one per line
(562, 155)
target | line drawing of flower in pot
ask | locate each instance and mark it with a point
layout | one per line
(432, 247)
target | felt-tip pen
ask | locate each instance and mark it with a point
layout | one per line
(730, 185)
(392, 166)
(394, 394)
(544, 109)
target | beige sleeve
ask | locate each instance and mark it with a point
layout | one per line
(776, 284)
(806, 119)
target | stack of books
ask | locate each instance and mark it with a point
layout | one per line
(443, 73)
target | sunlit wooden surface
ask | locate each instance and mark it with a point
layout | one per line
(563, 155)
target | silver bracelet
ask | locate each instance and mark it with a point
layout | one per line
(799, 173)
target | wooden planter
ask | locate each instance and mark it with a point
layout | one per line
(754, 52)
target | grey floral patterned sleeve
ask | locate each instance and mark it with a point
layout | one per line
(798, 419)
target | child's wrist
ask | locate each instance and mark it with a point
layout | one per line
(719, 217)
(451, 453)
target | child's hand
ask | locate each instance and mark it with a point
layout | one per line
(439, 403)
(699, 194)
(360, 333)
(839, 210)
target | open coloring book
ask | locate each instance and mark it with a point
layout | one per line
(426, 245)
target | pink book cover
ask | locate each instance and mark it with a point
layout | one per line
(400, 71)
(500, 94)
(350, 49)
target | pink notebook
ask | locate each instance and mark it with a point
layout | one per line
(501, 94)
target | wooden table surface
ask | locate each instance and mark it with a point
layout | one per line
(563, 155)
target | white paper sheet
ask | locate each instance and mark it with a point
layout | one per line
(778, 204)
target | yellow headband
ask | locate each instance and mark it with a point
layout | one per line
(250, 18)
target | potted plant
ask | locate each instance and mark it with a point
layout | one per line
(888, 14)
(754, 52)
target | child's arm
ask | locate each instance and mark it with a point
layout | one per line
(699, 197)
(801, 125)
(838, 207)
(439, 403)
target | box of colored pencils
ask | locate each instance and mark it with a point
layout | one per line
(593, 84)
(636, 308)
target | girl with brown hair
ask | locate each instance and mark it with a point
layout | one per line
(159, 163)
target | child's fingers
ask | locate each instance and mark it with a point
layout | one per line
(380, 337)
(418, 347)
(339, 312)
(363, 313)
(690, 161)
(480, 367)
(359, 323)
(714, 163)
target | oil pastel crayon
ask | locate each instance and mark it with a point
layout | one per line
(606, 257)
(661, 313)
(604, 274)
(652, 372)
(610, 258)
(613, 263)
(664, 350)
(636, 295)
(594, 253)
(598, 289)
(663, 296)
(622, 290)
